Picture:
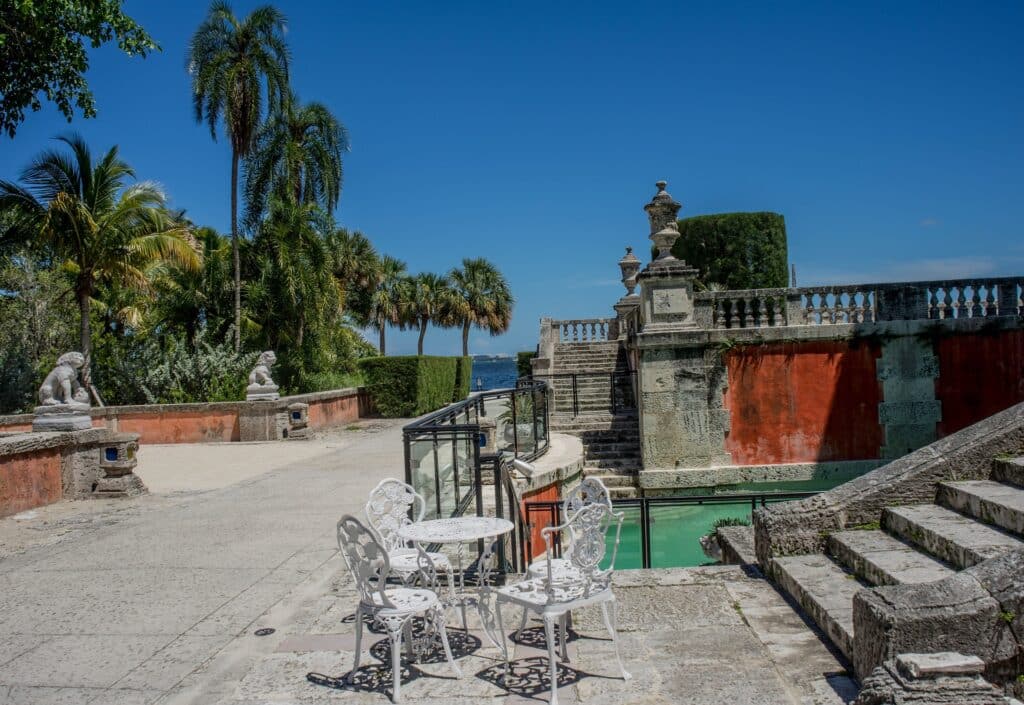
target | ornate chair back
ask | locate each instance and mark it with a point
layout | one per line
(366, 559)
(388, 509)
(590, 491)
(587, 532)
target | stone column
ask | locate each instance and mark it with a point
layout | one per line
(682, 422)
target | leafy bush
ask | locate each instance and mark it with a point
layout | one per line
(463, 377)
(523, 366)
(407, 386)
(736, 250)
(153, 371)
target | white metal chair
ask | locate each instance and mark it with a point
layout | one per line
(391, 607)
(555, 595)
(387, 511)
(590, 491)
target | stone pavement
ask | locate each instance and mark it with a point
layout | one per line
(130, 602)
(700, 636)
(156, 600)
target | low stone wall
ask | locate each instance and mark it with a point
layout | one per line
(219, 422)
(37, 469)
(803, 527)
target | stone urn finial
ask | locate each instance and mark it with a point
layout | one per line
(661, 212)
(629, 266)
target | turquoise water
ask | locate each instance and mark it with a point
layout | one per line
(676, 530)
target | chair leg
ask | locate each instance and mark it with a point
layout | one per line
(395, 628)
(549, 633)
(504, 641)
(407, 637)
(439, 624)
(359, 642)
(564, 636)
(610, 621)
(522, 623)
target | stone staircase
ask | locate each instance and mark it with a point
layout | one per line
(610, 431)
(969, 522)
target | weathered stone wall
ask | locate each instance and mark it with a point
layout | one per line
(978, 612)
(818, 393)
(217, 422)
(803, 527)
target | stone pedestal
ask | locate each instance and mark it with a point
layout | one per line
(257, 392)
(262, 421)
(61, 417)
(666, 297)
(298, 421)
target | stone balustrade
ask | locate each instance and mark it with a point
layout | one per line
(583, 330)
(859, 303)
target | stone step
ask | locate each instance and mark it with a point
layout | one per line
(612, 446)
(1009, 470)
(881, 559)
(623, 492)
(632, 465)
(611, 481)
(611, 454)
(991, 502)
(608, 472)
(947, 535)
(825, 593)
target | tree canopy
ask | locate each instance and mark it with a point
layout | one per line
(43, 53)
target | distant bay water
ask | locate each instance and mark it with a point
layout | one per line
(493, 373)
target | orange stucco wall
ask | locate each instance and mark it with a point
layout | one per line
(29, 480)
(181, 426)
(979, 375)
(539, 520)
(331, 412)
(803, 402)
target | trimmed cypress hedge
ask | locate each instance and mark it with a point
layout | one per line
(736, 250)
(412, 385)
(463, 377)
(523, 363)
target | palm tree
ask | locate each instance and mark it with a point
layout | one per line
(297, 151)
(431, 302)
(356, 268)
(483, 299)
(230, 61)
(387, 300)
(108, 232)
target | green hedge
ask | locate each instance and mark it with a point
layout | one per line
(736, 250)
(403, 387)
(523, 363)
(463, 377)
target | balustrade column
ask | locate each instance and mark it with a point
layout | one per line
(1007, 299)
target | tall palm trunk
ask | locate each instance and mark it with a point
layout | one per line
(423, 332)
(381, 346)
(234, 249)
(465, 339)
(84, 292)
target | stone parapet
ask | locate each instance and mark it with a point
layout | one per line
(44, 467)
(803, 527)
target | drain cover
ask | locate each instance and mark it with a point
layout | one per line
(265, 631)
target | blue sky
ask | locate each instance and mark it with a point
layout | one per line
(888, 134)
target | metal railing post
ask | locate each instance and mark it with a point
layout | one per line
(575, 398)
(515, 427)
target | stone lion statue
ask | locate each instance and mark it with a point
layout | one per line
(260, 378)
(61, 387)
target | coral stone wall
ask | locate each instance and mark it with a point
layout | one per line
(865, 398)
(979, 375)
(30, 480)
(803, 402)
(172, 426)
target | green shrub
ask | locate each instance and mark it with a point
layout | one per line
(736, 250)
(463, 377)
(523, 363)
(407, 386)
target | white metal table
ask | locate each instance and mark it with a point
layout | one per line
(460, 531)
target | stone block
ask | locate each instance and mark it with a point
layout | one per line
(943, 663)
(61, 421)
(893, 683)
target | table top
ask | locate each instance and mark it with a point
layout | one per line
(455, 530)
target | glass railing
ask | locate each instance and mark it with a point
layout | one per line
(448, 451)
